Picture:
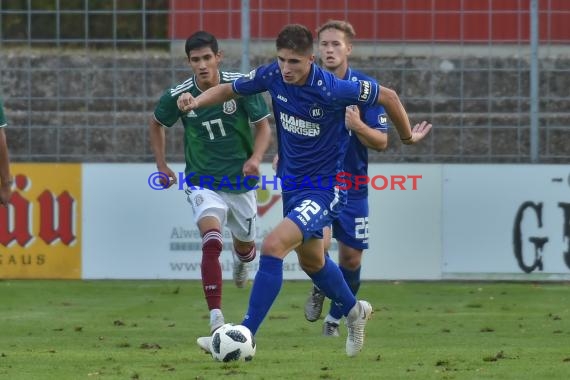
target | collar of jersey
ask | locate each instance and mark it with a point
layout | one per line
(348, 73)
(196, 81)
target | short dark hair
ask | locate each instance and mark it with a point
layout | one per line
(199, 40)
(343, 26)
(295, 37)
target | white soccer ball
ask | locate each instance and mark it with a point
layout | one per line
(233, 342)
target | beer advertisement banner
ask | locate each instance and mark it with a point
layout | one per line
(40, 230)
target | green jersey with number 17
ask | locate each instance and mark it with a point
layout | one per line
(217, 139)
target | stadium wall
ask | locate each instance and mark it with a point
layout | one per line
(442, 21)
(104, 221)
(95, 107)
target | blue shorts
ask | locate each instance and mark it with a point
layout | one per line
(351, 226)
(313, 209)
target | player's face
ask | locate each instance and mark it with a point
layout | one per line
(295, 67)
(333, 48)
(204, 64)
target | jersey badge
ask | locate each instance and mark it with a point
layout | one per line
(317, 112)
(230, 107)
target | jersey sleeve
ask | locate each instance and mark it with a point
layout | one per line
(166, 111)
(361, 92)
(375, 117)
(256, 108)
(255, 82)
(3, 122)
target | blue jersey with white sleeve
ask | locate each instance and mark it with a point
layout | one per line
(356, 161)
(311, 134)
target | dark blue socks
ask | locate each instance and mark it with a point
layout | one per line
(331, 281)
(266, 287)
(352, 278)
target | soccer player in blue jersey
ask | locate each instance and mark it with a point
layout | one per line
(309, 108)
(368, 126)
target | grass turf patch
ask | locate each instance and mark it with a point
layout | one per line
(147, 330)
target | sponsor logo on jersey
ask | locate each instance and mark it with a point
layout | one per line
(317, 112)
(230, 107)
(298, 126)
(382, 119)
(191, 114)
(282, 98)
(365, 89)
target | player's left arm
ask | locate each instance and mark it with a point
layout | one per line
(395, 110)
(369, 137)
(370, 93)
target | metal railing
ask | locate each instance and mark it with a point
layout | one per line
(79, 83)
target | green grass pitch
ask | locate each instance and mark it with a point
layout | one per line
(147, 330)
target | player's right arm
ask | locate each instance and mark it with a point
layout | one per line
(166, 114)
(212, 96)
(158, 144)
(254, 83)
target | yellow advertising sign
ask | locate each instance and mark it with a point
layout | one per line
(40, 230)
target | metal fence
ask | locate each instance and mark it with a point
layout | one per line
(80, 78)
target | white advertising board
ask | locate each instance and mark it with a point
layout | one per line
(131, 231)
(506, 222)
(134, 232)
(405, 225)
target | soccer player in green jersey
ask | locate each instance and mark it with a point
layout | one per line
(5, 178)
(220, 151)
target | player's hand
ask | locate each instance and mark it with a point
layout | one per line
(169, 178)
(251, 167)
(419, 131)
(186, 102)
(352, 118)
(275, 161)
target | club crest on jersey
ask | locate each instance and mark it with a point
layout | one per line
(365, 89)
(198, 200)
(230, 107)
(316, 112)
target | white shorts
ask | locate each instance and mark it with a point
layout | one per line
(236, 210)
